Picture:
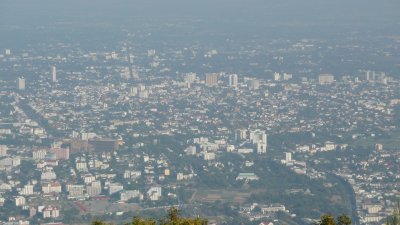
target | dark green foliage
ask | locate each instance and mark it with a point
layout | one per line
(343, 220)
(173, 218)
(98, 222)
(329, 219)
(141, 221)
(395, 218)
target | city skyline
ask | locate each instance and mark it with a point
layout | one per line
(238, 112)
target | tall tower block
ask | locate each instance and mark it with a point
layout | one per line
(54, 73)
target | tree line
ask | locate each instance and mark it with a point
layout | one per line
(174, 218)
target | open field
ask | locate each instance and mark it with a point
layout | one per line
(102, 207)
(212, 195)
(389, 143)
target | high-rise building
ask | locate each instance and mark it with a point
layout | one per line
(51, 187)
(27, 190)
(93, 190)
(288, 157)
(21, 83)
(133, 91)
(258, 136)
(60, 153)
(233, 80)
(190, 77)
(54, 73)
(326, 79)
(129, 194)
(287, 76)
(75, 190)
(211, 79)
(378, 147)
(50, 212)
(277, 76)
(19, 201)
(3, 150)
(141, 87)
(187, 85)
(143, 94)
(254, 84)
(370, 75)
(39, 154)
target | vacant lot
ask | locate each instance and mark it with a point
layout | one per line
(102, 207)
(212, 195)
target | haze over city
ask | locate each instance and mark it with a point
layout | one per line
(235, 112)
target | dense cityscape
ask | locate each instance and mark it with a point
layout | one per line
(255, 131)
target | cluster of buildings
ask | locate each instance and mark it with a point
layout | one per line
(372, 178)
(375, 183)
(108, 121)
(257, 211)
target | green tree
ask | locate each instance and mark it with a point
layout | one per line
(174, 218)
(141, 221)
(343, 220)
(98, 222)
(395, 218)
(173, 214)
(327, 219)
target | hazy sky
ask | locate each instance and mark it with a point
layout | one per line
(20, 18)
(47, 11)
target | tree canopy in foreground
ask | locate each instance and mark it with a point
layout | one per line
(173, 218)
